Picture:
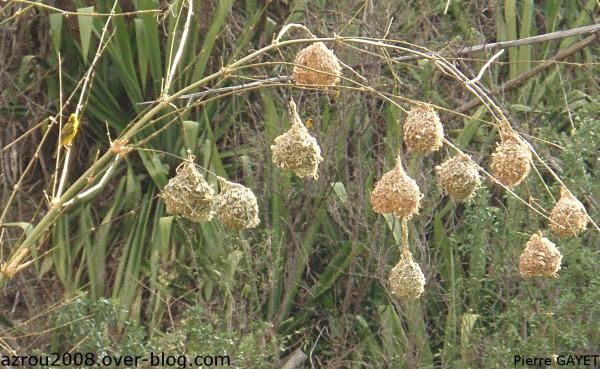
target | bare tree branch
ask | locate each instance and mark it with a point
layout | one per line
(523, 41)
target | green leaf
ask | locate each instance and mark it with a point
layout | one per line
(142, 52)
(218, 20)
(191, 130)
(340, 191)
(26, 227)
(86, 24)
(466, 326)
(334, 269)
(55, 20)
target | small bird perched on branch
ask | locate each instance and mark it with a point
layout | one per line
(69, 131)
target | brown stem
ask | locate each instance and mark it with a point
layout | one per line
(524, 41)
(532, 72)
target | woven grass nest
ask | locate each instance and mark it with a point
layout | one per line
(540, 258)
(189, 195)
(236, 206)
(423, 131)
(459, 177)
(511, 160)
(296, 150)
(396, 193)
(316, 65)
(406, 279)
(568, 215)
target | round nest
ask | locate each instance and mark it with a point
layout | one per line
(423, 131)
(511, 160)
(568, 215)
(316, 65)
(459, 177)
(540, 258)
(396, 193)
(237, 207)
(296, 150)
(406, 279)
(189, 195)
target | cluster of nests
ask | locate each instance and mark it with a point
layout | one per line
(395, 193)
(398, 194)
(541, 258)
(189, 195)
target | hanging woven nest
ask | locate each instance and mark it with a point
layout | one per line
(296, 150)
(423, 131)
(396, 193)
(459, 177)
(189, 195)
(511, 162)
(236, 205)
(316, 65)
(406, 279)
(568, 215)
(540, 258)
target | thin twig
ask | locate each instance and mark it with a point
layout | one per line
(523, 41)
(97, 186)
(182, 41)
(92, 14)
(486, 66)
(220, 90)
(533, 71)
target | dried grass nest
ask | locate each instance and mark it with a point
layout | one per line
(423, 130)
(396, 193)
(511, 162)
(296, 150)
(189, 195)
(236, 206)
(459, 177)
(568, 215)
(540, 258)
(406, 279)
(316, 65)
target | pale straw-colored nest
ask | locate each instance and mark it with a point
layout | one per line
(296, 150)
(316, 65)
(540, 258)
(236, 206)
(423, 131)
(189, 195)
(459, 177)
(396, 193)
(406, 279)
(568, 215)
(511, 162)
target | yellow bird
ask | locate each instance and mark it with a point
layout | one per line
(69, 131)
(309, 123)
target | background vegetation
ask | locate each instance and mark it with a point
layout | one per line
(116, 274)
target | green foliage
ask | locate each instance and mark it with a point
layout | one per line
(87, 325)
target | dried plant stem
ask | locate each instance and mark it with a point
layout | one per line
(92, 14)
(513, 43)
(60, 117)
(486, 66)
(182, 41)
(289, 26)
(533, 71)
(405, 247)
(96, 187)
